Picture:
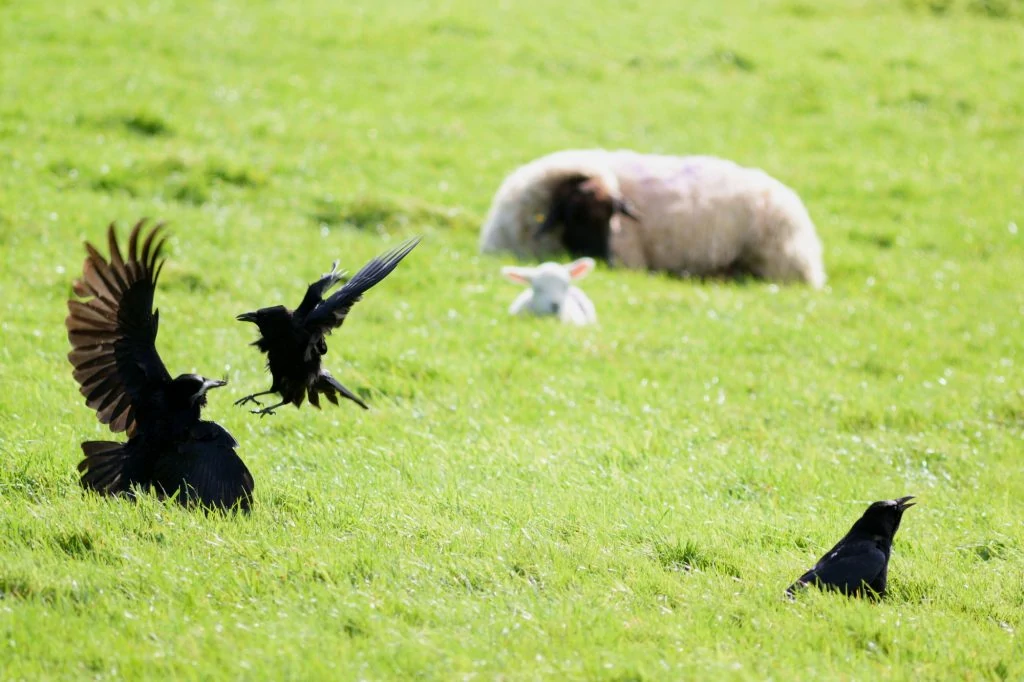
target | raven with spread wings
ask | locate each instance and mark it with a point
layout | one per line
(294, 339)
(113, 340)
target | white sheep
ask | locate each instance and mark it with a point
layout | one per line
(688, 215)
(551, 291)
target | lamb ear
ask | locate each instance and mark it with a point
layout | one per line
(580, 268)
(517, 274)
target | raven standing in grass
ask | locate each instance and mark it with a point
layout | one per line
(294, 339)
(861, 558)
(113, 341)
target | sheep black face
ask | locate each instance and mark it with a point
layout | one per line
(584, 208)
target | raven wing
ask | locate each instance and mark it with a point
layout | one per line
(315, 293)
(206, 470)
(331, 313)
(113, 333)
(848, 569)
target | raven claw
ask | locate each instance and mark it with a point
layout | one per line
(248, 399)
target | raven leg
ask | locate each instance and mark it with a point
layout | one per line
(270, 409)
(252, 398)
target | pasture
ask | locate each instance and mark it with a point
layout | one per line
(524, 500)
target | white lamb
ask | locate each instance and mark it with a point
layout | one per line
(688, 215)
(551, 291)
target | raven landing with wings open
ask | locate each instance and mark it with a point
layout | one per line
(113, 340)
(294, 339)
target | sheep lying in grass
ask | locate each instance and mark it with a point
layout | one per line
(551, 291)
(687, 215)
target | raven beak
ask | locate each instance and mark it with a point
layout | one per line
(903, 503)
(207, 384)
(212, 383)
(246, 317)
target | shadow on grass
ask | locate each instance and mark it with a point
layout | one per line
(384, 214)
(172, 178)
(678, 556)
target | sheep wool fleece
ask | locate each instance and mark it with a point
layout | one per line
(699, 215)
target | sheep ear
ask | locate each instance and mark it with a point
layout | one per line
(623, 206)
(580, 268)
(518, 275)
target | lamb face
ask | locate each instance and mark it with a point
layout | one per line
(551, 291)
(550, 284)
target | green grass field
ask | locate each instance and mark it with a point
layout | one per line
(524, 500)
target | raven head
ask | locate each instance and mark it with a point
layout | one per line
(883, 517)
(191, 389)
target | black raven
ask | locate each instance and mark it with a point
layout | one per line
(294, 339)
(861, 559)
(113, 341)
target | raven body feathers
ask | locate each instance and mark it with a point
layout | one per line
(858, 565)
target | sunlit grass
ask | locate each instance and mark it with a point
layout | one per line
(524, 499)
